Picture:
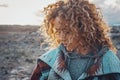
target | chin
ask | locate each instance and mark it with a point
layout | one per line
(65, 44)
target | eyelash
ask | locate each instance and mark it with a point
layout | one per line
(67, 32)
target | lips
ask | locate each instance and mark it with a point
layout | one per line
(64, 42)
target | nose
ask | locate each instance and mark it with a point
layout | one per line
(62, 36)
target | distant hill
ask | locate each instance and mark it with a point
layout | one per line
(18, 28)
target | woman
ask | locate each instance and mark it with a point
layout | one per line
(83, 50)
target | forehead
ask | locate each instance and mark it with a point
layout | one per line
(60, 23)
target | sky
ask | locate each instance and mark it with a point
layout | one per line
(27, 12)
(110, 10)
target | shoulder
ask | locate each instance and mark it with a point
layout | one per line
(50, 56)
(110, 55)
(111, 62)
(111, 58)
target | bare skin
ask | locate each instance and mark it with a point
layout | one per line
(69, 37)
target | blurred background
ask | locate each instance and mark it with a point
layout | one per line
(21, 42)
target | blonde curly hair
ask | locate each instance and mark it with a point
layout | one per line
(83, 15)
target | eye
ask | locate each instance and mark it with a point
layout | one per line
(67, 32)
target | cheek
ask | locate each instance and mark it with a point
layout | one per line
(73, 39)
(69, 39)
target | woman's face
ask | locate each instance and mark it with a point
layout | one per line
(64, 33)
